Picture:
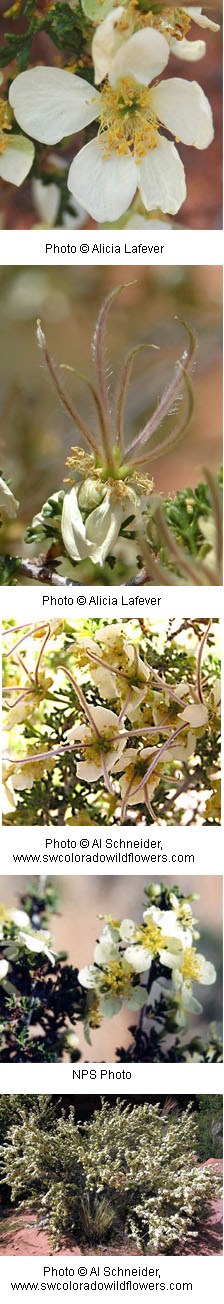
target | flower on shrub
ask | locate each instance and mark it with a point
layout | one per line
(129, 151)
(112, 978)
(8, 504)
(126, 950)
(16, 933)
(100, 518)
(124, 20)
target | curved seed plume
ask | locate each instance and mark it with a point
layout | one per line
(82, 700)
(216, 501)
(168, 397)
(123, 389)
(174, 435)
(98, 345)
(199, 665)
(64, 366)
(84, 430)
(157, 758)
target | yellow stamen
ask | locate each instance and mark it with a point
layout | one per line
(190, 967)
(127, 119)
(5, 124)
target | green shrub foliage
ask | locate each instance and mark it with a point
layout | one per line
(128, 1172)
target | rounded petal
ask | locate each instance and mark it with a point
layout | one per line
(189, 51)
(196, 715)
(103, 526)
(139, 958)
(207, 971)
(162, 177)
(110, 1005)
(143, 56)
(46, 200)
(3, 969)
(20, 918)
(73, 528)
(106, 41)
(8, 504)
(127, 929)
(16, 160)
(105, 951)
(87, 976)
(50, 103)
(201, 19)
(182, 107)
(104, 186)
(137, 998)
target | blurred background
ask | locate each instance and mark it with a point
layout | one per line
(36, 431)
(77, 926)
(203, 206)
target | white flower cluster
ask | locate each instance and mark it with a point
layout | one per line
(16, 936)
(126, 950)
(161, 721)
(130, 152)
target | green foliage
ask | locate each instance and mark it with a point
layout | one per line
(127, 1172)
(40, 1001)
(210, 1127)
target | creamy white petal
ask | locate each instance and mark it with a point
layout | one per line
(136, 999)
(105, 951)
(188, 50)
(46, 200)
(50, 103)
(16, 160)
(110, 1005)
(201, 19)
(139, 958)
(183, 108)
(88, 976)
(102, 528)
(143, 57)
(162, 177)
(104, 186)
(106, 42)
(8, 504)
(73, 528)
(3, 969)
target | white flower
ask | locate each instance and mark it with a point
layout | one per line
(194, 967)
(207, 527)
(47, 203)
(71, 1040)
(37, 942)
(8, 504)
(4, 967)
(161, 937)
(121, 22)
(129, 151)
(108, 743)
(113, 984)
(95, 538)
(16, 159)
(17, 917)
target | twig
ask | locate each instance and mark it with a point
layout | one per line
(39, 571)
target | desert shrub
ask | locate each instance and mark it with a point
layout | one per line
(129, 1171)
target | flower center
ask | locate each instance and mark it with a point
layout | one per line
(116, 979)
(171, 22)
(150, 937)
(5, 124)
(95, 747)
(127, 118)
(190, 967)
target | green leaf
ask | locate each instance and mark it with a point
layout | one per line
(97, 10)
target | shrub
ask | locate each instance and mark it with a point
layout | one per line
(130, 1171)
